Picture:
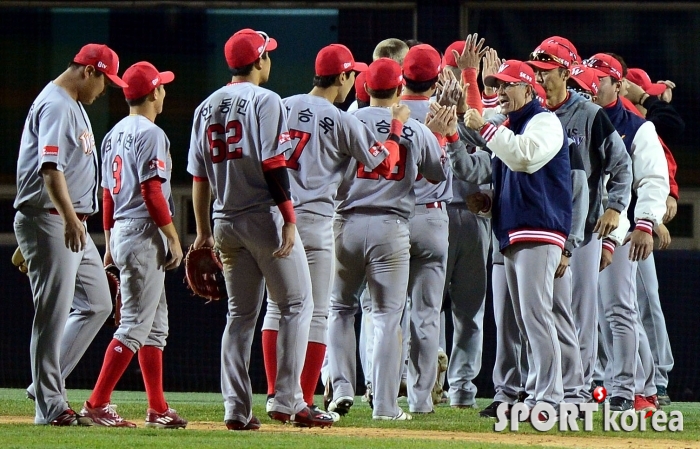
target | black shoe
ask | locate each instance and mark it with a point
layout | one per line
(491, 411)
(662, 395)
(620, 404)
(522, 396)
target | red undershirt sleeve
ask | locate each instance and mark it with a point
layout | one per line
(155, 202)
(107, 210)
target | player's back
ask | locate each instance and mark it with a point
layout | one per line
(325, 139)
(234, 130)
(134, 151)
(419, 151)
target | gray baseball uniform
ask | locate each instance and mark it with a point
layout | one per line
(429, 238)
(326, 139)
(58, 131)
(372, 244)
(653, 319)
(235, 129)
(134, 151)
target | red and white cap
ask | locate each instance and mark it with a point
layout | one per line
(449, 59)
(551, 54)
(335, 59)
(422, 63)
(605, 65)
(586, 78)
(383, 74)
(512, 71)
(360, 92)
(247, 46)
(641, 78)
(566, 43)
(143, 78)
(103, 59)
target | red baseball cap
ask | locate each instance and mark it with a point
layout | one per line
(541, 95)
(512, 71)
(422, 63)
(586, 78)
(143, 78)
(335, 59)
(551, 54)
(360, 92)
(457, 46)
(383, 74)
(103, 59)
(605, 65)
(247, 46)
(641, 78)
(566, 43)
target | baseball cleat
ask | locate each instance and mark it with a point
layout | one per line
(491, 410)
(269, 403)
(327, 393)
(169, 419)
(402, 416)
(105, 415)
(70, 418)
(334, 415)
(663, 396)
(233, 424)
(620, 404)
(305, 418)
(642, 404)
(341, 405)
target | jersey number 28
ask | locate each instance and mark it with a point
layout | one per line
(221, 149)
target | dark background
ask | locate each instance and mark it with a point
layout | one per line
(38, 39)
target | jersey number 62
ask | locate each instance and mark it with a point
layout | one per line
(221, 149)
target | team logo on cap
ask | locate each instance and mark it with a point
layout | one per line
(576, 71)
(347, 65)
(101, 65)
(525, 76)
(503, 67)
(154, 81)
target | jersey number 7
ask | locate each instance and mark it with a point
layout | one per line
(293, 161)
(221, 150)
(397, 175)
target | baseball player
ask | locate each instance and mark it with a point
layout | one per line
(620, 326)
(391, 48)
(142, 242)
(372, 245)
(239, 145)
(469, 242)
(325, 139)
(428, 233)
(532, 162)
(602, 152)
(57, 186)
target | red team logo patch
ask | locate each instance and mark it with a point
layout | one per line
(284, 138)
(156, 164)
(50, 150)
(376, 149)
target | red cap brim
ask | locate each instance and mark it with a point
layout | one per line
(544, 65)
(360, 67)
(581, 84)
(116, 80)
(271, 45)
(490, 80)
(166, 77)
(656, 89)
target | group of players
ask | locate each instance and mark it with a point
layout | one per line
(313, 205)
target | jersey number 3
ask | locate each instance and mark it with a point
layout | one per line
(117, 174)
(221, 150)
(398, 173)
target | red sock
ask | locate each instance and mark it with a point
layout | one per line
(269, 346)
(312, 370)
(151, 362)
(117, 358)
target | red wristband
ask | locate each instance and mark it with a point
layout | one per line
(199, 179)
(488, 131)
(453, 138)
(645, 226)
(287, 210)
(609, 245)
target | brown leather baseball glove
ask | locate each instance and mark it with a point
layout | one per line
(114, 282)
(204, 273)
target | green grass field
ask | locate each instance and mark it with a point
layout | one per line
(446, 428)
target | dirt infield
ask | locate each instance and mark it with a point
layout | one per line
(493, 438)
